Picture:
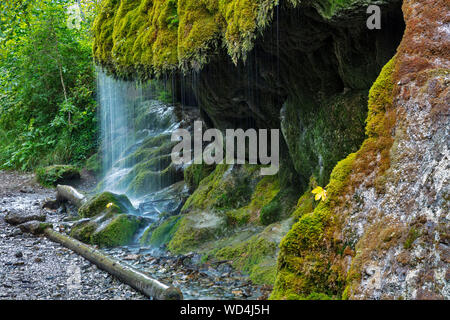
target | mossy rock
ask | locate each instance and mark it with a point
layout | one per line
(83, 231)
(271, 212)
(226, 188)
(255, 257)
(161, 235)
(279, 208)
(147, 180)
(57, 174)
(108, 229)
(99, 203)
(119, 231)
(195, 173)
(196, 229)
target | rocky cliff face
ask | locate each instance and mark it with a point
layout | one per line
(307, 68)
(383, 232)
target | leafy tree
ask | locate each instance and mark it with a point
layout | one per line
(47, 85)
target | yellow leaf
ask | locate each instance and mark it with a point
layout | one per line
(320, 193)
(109, 205)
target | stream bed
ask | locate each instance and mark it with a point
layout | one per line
(36, 268)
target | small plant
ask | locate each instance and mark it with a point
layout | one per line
(413, 235)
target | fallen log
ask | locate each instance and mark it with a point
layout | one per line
(68, 193)
(150, 287)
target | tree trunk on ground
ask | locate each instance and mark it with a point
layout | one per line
(150, 287)
(67, 193)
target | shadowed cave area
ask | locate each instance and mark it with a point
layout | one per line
(308, 77)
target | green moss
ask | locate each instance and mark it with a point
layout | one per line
(83, 232)
(208, 190)
(156, 36)
(304, 269)
(98, 204)
(270, 212)
(195, 173)
(196, 229)
(320, 134)
(57, 174)
(413, 235)
(147, 180)
(264, 274)
(236, 196)
(238, 217)
(162, 234)
(281, 206)
(144, 240)
(308, 250)
(119, 232)
(266, 190)
(252, 257)
(305, 205)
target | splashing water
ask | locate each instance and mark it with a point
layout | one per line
(130, 114)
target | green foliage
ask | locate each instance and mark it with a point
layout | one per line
(53, 175)
(94, 164)
(47, 83)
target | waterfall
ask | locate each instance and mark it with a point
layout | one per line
(117, 101)
(133, 115)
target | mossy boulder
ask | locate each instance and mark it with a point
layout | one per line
(226, 188)
(119, 231)
(281, 207)
(57, 174)
(271, 212)
(83, 231)
(255, 257)
(101, 202)
(147, 180)
(108, 229)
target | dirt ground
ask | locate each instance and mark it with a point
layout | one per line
(33, 268)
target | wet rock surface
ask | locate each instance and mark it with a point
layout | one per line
(215, 281)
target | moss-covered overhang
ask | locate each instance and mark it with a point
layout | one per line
(143, 38)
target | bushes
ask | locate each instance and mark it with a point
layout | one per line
(58, 174)
(47, 83)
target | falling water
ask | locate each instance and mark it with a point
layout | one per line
(117, 101)
(122, 104)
